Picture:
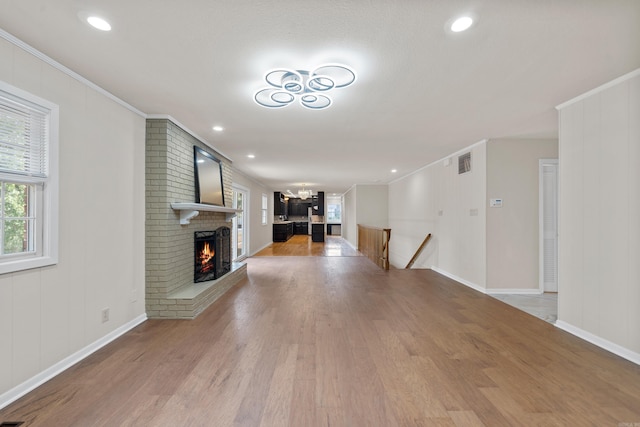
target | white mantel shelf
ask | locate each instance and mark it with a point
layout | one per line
(188, 211)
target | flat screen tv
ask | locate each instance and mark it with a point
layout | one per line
(208, 177)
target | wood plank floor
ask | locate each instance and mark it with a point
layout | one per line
(335, 341)
(300, 245)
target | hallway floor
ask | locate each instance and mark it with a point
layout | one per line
(543, 306)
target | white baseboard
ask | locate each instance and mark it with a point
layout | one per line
(502, 291)
(614, 348)
(44, 376)
(459, 279)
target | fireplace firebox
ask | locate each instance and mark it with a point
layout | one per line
(212, 254)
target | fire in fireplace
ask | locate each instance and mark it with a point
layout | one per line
(212, 255)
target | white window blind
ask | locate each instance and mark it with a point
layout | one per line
(23, 137)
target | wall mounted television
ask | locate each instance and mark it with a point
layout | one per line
(208, 178)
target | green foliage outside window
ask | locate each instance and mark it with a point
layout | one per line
(15, 217)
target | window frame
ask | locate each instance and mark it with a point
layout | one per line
(264, 209)
(46, 189)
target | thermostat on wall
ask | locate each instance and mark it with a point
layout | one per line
(495, 203)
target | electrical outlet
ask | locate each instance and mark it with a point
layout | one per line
(105, 315)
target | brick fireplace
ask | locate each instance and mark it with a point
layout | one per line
(169, 246)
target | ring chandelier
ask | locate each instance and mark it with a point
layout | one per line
(311, 88)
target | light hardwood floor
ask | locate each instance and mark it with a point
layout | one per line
(336, 341)
(301, 245)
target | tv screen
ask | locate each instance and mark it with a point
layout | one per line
(208, 174)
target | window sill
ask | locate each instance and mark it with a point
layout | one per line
(13, 266)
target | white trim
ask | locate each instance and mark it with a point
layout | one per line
(471, 147)
(22, 45)
(44, 376)
(541, 163)
(601, 88)
(507, 291)
(460, 280)
(623, 352)
(245, 219)
(189, 131)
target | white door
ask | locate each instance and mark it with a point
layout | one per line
(240, 232)
(549, 225)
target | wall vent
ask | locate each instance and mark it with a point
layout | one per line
(464, 163)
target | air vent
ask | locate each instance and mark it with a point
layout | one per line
(464, 163)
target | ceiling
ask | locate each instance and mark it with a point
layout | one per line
(422, 92)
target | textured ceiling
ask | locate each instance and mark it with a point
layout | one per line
(422, 92)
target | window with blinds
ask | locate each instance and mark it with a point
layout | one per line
(23, 137)
(28, 181)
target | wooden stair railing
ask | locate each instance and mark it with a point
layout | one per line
(417, 254)
(373, 242)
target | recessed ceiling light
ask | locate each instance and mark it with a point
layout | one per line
(99, 23)
(394, 170)
(218, 128)
(461, 24)
(251, 156)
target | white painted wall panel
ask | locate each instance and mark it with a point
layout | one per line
(613, 224)
(599, 211)
(571, 215)
(632, 309)
(6, 330)
(55, 311)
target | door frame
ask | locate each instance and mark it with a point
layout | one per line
(237, 188)
(541, 164)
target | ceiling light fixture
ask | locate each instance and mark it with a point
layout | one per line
(310, 87)
(461, 24)
(218, 128)
(99, 23)
(304, 194)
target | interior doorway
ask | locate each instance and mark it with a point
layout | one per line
(548, 214)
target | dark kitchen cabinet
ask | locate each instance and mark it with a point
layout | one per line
(299, 207)
(317, 232)
(317, 203)
(279, 207)
(282, 231)
(302, 227)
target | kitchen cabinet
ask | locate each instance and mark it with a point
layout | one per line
(317, 232)
(282, 231)
(299, 207)
(279, 207)
(317, 203)
(301, 227)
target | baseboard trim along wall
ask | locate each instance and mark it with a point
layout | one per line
(600, 342)
(44, 376)
(460, 280)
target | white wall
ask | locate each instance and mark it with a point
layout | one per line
(437, 200)
(365, 205)
(512, 230)
(599, 225)
(48, 314)
(349, 222)
(260, 236)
